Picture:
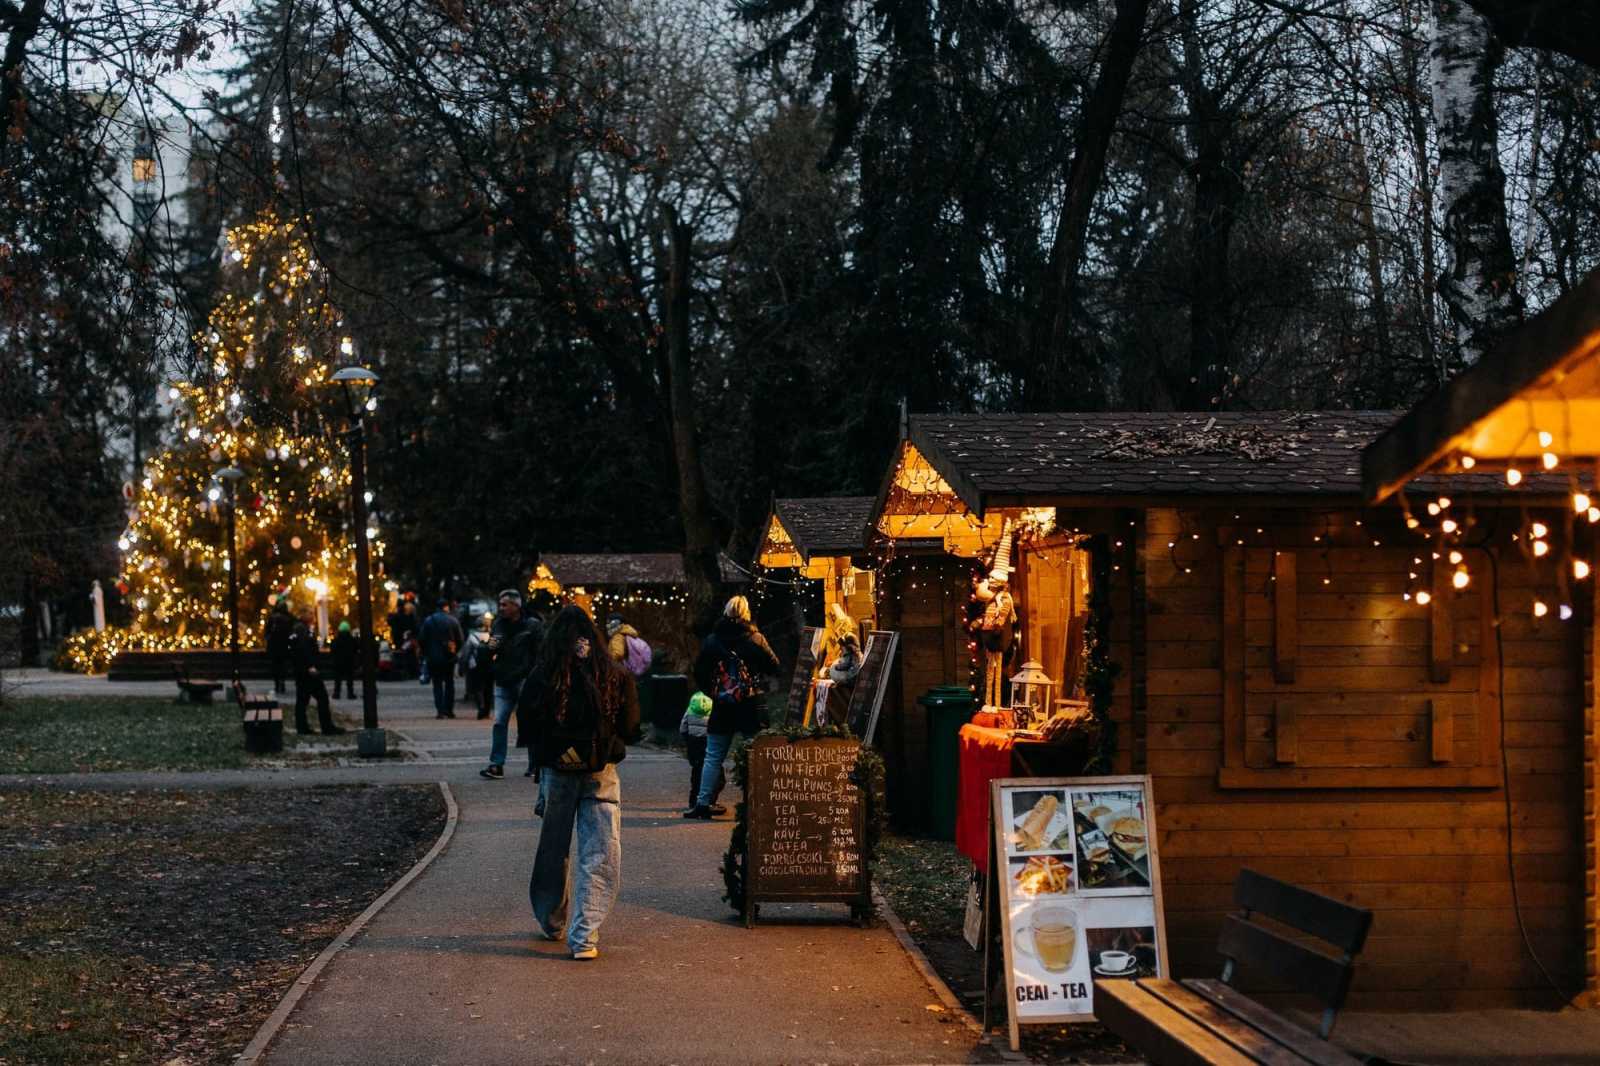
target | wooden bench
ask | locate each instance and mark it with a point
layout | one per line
(1178, 1023)
(192, 691)
(262, 719)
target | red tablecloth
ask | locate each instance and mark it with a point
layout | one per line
(985, 754)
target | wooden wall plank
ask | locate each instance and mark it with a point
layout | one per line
(1285, 738)
(1441, 628)
(1285, 619)
(1232, 679)
(1441, 733)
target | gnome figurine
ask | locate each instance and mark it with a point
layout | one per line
(996, 625)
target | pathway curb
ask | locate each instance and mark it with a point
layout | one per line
(941, 990)
(251, 1055)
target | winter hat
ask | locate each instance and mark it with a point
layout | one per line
(344, 627)
(699, 705)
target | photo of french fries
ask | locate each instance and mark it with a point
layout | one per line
(1042, 875)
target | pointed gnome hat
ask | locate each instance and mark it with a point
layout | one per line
(1001, 571)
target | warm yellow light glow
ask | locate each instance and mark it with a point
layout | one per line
(1580, 502)
(1455, 558)
(1513, 476)
(1540, 609)
(1468, 462)
(1549, 460)
(1541, 548)
(1540, 529)
(1424, 597)
(1448, 525)
(1460, 579)
(1580, 569)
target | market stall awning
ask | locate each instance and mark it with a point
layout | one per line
(582, 569)
(1537, 391)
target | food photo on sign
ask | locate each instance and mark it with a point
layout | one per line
(1078, 890)
(1113, 847)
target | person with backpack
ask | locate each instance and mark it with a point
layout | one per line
(628, 647)
(514, 643)
(730, 669)
(577, 711)
(441, 638)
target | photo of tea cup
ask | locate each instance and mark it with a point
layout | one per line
(1051, 936)
(1116, 961)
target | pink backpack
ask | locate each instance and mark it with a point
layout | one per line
(638, 656)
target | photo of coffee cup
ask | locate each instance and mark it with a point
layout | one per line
(1051, 936)
(1116, 961)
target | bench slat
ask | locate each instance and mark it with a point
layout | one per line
(1247, 1038)
(1307, 1045)
(1164, 1035)
(1340, 924)
(1303, 969)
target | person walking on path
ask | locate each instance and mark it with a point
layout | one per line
(475, 660)
(733, 660)
(441, 639)
(514, 642)
(280, 624)
(402, 636)
(577, 710)
(627, 647)
(308, 682)
(343, 653)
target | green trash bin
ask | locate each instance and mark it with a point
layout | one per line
(949, 708)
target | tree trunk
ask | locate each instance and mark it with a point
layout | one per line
(28, 651)
(1218, 190)
(1479, 285)
(1052, 340)
(1417, 124)
(1374, 255)
(694, 502)
(21, 25)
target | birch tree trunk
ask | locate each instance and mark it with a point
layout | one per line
(1479, 282)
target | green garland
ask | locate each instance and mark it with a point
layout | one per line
(1100, 672)
(867, 775)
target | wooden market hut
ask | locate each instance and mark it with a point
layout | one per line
(647, 588)
(1537, 393)
(825, 538)
(1311, 692)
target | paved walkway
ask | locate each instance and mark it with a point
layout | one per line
(450, 971)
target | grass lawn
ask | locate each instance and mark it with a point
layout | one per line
(46, 735)
(155, 927)
(925, 882)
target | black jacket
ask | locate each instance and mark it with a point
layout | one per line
(280, 623)
(516, 648)
(343, 651)
(744, 640)
(532, 707)
(303, 647)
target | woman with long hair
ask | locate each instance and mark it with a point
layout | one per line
(578, 709)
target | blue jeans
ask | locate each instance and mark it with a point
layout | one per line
(711, 777)
(444, 689)
(505, 705)
(591, 804)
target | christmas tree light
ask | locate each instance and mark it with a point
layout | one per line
(269, 346)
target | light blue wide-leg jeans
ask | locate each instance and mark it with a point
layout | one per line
(591, 805)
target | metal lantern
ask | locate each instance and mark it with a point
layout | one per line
(1030, 692)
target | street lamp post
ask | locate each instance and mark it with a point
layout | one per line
(354, 381)
(229, 477)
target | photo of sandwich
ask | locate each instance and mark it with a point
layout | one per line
(1040, 821)
(1112, 840)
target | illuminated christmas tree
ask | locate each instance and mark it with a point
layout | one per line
(263, 405)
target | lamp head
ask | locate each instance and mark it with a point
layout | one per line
(355, 375)
(229, 473)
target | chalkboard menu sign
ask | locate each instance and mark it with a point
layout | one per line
(807, 824)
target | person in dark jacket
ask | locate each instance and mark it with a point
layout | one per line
(733, 663)
(308, 682)
(440, 639)
(577, 697)
(343, 653)
(280, 623)
(514, 642)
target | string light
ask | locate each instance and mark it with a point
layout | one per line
(1513, 476)
(1460, 579)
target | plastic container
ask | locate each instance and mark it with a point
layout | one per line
(949, 708)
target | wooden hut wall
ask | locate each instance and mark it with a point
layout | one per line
(1284, 745)
(924, 597)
